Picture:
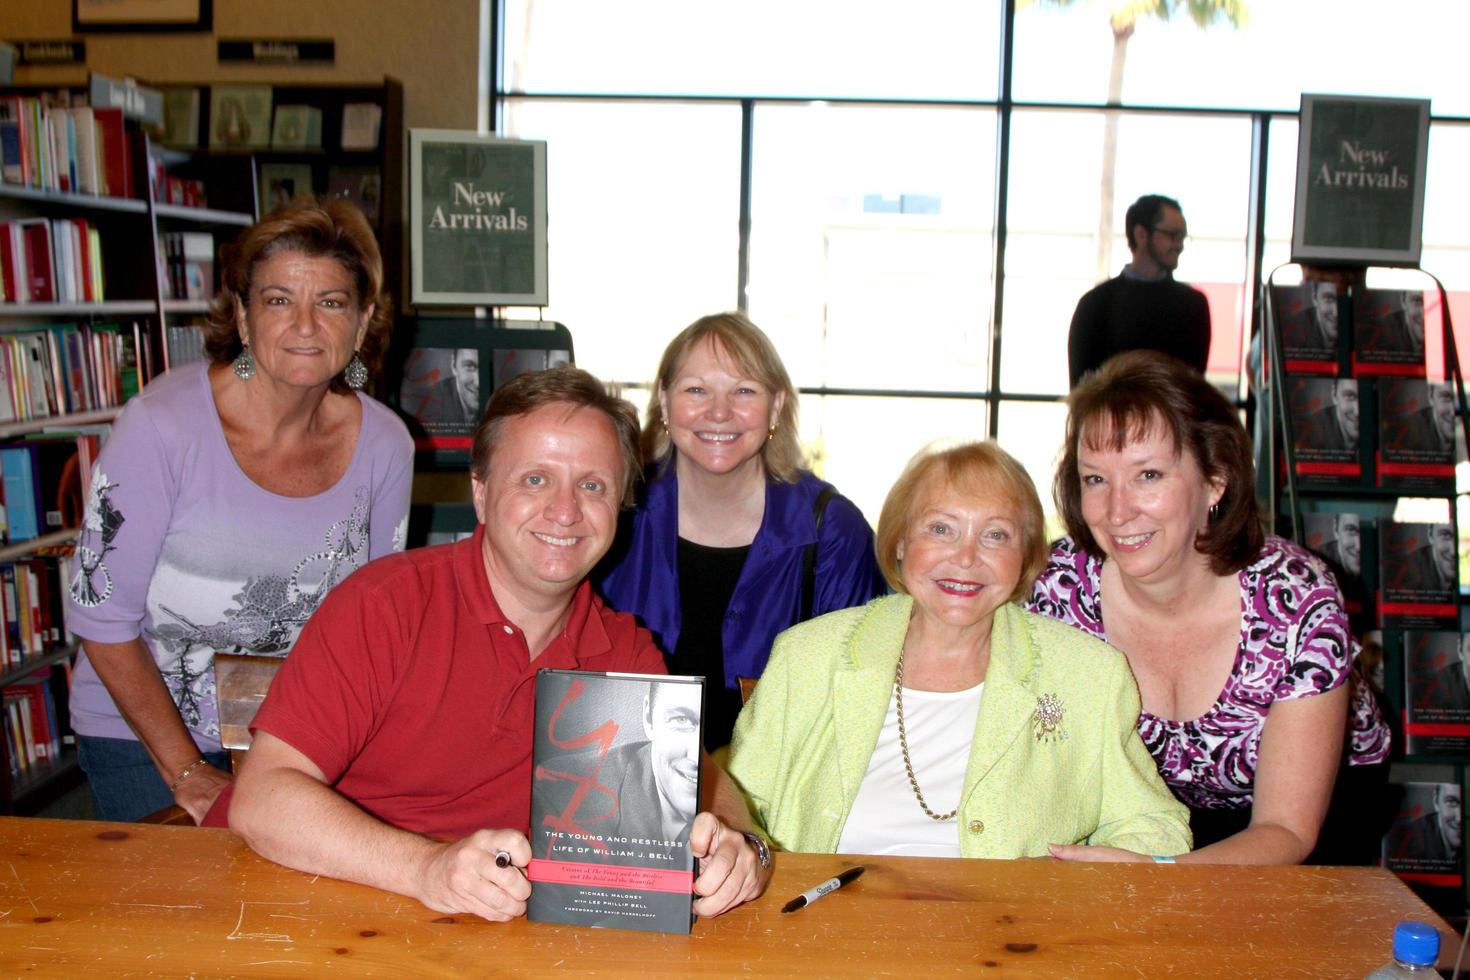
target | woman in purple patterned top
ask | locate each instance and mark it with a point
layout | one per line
(1239, 642)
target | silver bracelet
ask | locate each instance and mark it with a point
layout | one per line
(186, 772)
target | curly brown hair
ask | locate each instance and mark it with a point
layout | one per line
(326, 228)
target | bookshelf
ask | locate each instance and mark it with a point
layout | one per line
(88, 354)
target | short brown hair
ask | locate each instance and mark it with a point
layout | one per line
(978, 468)
(752, 351)
(329, 228)
(1141, 392)
(565, 385)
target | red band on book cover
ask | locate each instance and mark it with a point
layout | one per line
(1418, 609)
(1424, 878)
(443, 442)
(1370, 369)
(1437, 728)
(1311, 367)
(1329, 469)
(610, 876)
(1416, 469)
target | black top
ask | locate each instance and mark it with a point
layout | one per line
(707, 578)
(1125, 314)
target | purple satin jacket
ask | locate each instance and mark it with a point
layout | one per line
(641, 573)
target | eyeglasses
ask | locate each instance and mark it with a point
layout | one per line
(1177, 237)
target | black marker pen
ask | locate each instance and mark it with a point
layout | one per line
(830, 885)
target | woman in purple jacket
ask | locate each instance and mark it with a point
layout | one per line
(732, 541)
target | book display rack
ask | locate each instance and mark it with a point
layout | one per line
(1366, 422)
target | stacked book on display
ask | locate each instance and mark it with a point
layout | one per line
(50, 261)
(32, 727)
(1363, 412)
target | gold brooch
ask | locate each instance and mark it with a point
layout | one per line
(1046, 720)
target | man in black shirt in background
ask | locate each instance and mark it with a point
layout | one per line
(1143, 308)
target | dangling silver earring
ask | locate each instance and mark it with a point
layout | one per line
(244, 364)
(356, 374)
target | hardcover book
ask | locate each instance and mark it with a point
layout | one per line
(1344, 540)
(1326, 433)
(1388, 332)
(1309, 315)
(1416, 436)
(297, 127)
(1437, 692)
(1418, 576)
(1424, 843)
(239, 117)
(615, 787)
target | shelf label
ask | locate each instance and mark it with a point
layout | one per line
(275, 50)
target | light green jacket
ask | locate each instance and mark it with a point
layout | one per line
(803, 743)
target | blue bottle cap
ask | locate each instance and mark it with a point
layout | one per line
(1415, 943)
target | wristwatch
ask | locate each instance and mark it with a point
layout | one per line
(762, 849)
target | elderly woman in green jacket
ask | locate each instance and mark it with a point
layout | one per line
(945, 720)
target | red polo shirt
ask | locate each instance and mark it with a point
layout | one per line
(415, 696)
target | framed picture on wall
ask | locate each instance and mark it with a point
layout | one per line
(1360, 166)
(477, 208)
(142, 15)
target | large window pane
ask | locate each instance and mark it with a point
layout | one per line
(920, 49)
(1055, 201)
(1413, 48)
(1032, 432)
(643, 225)
(871, 244)
(861, 444)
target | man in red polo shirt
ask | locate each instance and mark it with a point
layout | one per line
(394, 748)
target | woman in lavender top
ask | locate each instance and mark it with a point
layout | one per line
(229, 498)
(1239, 641)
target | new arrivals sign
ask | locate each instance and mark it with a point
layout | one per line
(1360, 180)
(478, 210)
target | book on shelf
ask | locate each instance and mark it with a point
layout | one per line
(361, 122)
(1416, 436)
(180, 118)
(1309, 315)
(33, 733)
(239, 117)
(615, 787)
(1423, 844)
(67, 368)
(190, 261)
(185, 344)
(49, 143)
(1437, 692)
(297, 127)
(1346, 542)
(360, 186)
(1418, 577)
(1388, 332)
(42, 481)
(56, 260)
(1325, 428)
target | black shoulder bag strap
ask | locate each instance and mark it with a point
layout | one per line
(809, 562)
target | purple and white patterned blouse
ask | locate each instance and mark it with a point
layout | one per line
(1294, 643)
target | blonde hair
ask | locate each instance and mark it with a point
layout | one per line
(754, 354)
(975, 468)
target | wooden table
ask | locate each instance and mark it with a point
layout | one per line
(132, 899)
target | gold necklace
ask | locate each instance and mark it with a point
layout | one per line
(903, 743)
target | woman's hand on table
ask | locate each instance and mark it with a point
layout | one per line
(1087, 852)
(197, 793)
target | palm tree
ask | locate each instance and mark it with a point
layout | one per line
(1123, 16)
